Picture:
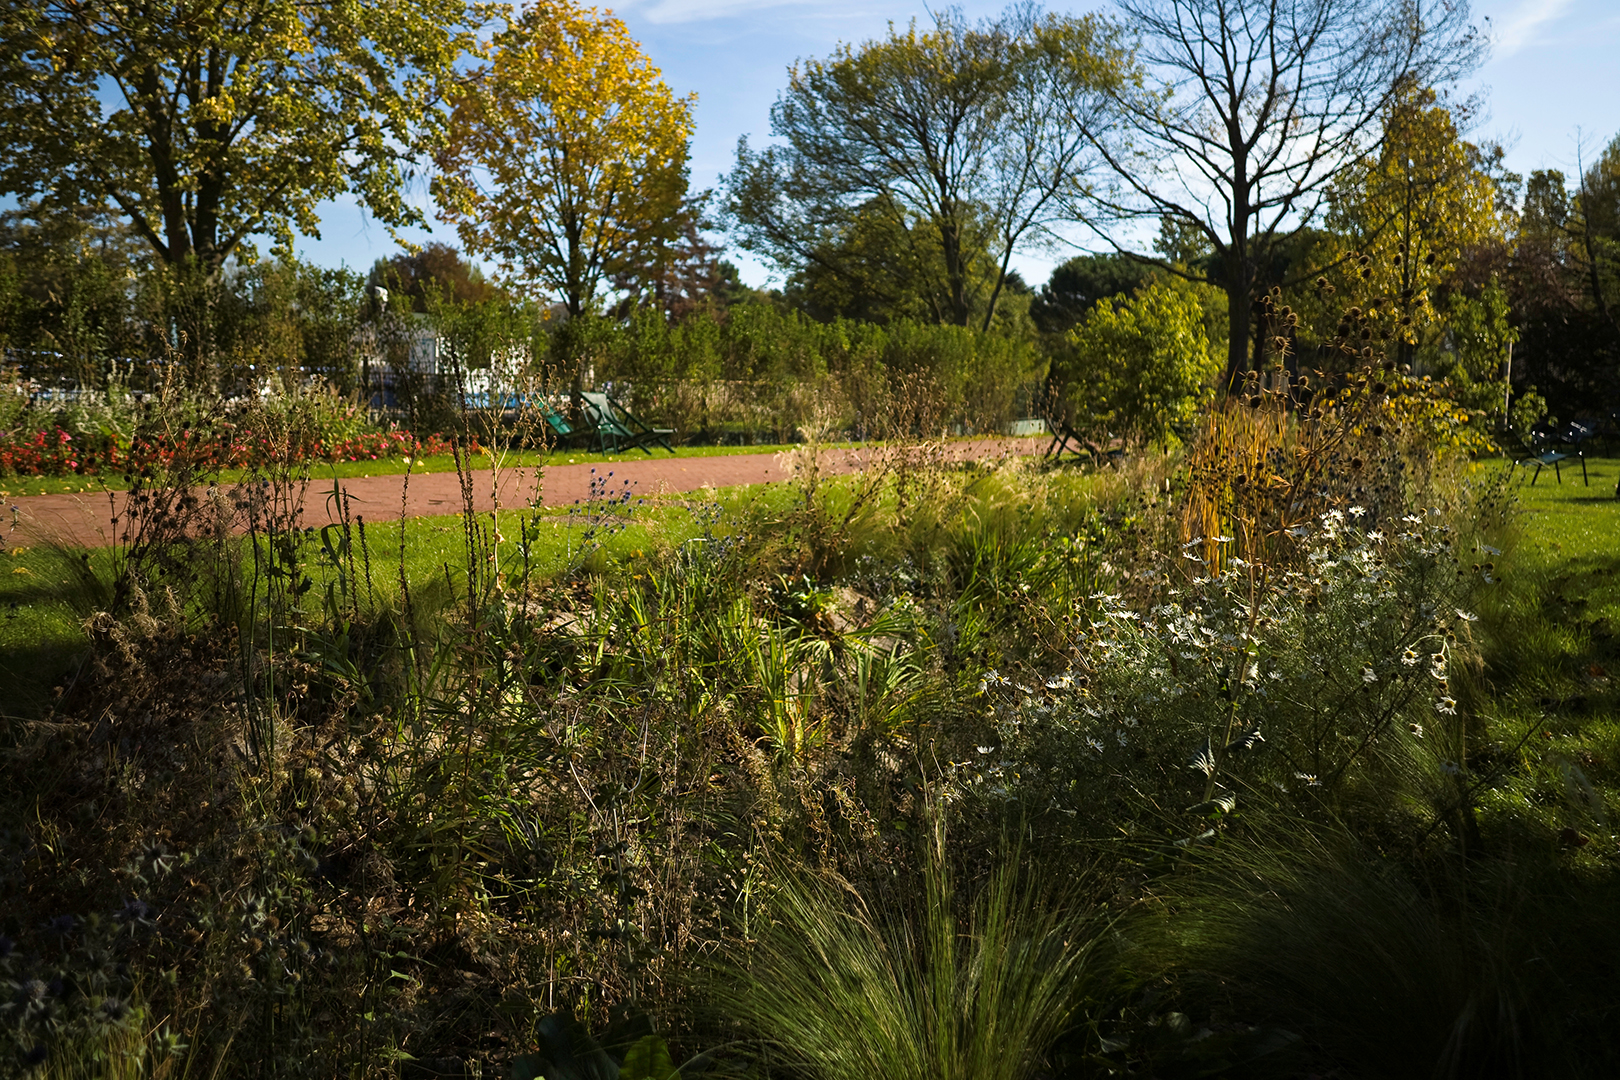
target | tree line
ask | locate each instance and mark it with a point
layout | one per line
(1291, 153)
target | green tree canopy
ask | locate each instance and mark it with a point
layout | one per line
(434, 268)
(207, 122)
(952, 147)
(1081, 282)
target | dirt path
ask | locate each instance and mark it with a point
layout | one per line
(86, 520)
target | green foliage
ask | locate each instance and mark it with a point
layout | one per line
(768, 369)
(1481, 333)
(204, 128)
(567, 1052)
(436, 269)
(1322, 936)
(1078, 285)
(1139, 365)
(1562, 288)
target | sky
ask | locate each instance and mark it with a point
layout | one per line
(1551, 89)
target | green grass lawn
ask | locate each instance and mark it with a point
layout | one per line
(1571, 542)
(1547, 704)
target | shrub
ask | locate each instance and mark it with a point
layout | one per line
(1139, 365)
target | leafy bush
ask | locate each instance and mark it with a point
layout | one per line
(1139, 365)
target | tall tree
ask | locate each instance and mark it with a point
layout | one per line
(1261, 106)
(1597, 231)
(1420, 206)
(966, 139)
(207, 121)
(682, 274)
(567, 153)
(1564, 285)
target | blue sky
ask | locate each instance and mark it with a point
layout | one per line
(1553, 75)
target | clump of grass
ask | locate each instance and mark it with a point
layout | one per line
(838, 985)
(1435, 969)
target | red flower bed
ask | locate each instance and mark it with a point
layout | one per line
(57, 453)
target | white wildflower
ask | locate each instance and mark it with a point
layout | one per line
(1368, 676)
(1446, 706)
(1467, 616)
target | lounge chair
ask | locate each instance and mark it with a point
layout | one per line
(561, 431)
(1548, 446)
(1066, 440)
(617, 428)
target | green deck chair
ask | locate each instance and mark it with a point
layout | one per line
(617, 428)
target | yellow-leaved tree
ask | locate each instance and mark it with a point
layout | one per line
(1405, 226)
(566, 153)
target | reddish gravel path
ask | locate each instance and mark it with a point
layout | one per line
(84, 520)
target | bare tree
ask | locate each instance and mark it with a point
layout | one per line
(1261, 105)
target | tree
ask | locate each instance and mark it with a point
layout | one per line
(207, 122)
(960, 143)
(1139, 364)
(436, 268)
(567, 153)
(1564, 283)
(1079, 284)
(877, 269)
(1262, 105)
(1598, 231)
(1415, 227)
(683, 274)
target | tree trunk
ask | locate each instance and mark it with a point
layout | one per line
(1239, 317)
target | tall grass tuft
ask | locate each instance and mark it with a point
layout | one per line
(837, 988)
(1441, 970)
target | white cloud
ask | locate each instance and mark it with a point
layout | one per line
(1517, 28)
